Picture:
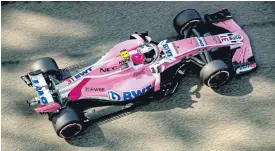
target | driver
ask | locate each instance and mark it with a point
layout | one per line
(138, 58)
(145, 54)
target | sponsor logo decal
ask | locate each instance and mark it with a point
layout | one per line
(125, 54)
(40, 92)
(122, 62)
(94, 89)
(235, 37)
(79, 75)
(139, 73)
(108, 69)
(245, 67)
(82, 73)
(175, 47)
(70, 80)
(128, 95)
(224, 38)
(168, 50)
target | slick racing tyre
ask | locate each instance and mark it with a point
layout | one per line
(215, 74)
(46, 65)
(186, 19)
(67, 123)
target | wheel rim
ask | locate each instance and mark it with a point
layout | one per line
(218, 79)
(70, 130)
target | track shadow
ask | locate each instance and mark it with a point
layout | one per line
(237, 86)
(84, 140)
(249, 148)
(180, 99)
(22, 139)
(18, 106)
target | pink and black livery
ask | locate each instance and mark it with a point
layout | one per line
(217, 45)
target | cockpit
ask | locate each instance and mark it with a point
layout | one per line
(145, 54)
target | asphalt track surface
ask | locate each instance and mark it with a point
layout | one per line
(239, 116)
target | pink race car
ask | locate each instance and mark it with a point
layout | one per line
(140, 68)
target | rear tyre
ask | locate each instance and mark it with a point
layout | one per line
(185, 20)
(67, 123)
(215, 74)
(46, 65)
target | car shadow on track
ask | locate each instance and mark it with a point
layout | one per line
(181, 99)
(237, 86)
(93, 130)
(86, 138)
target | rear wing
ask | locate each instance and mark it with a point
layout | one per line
(38, 80)
(27, 80)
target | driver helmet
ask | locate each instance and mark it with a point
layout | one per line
(148, 52)
(138, 58)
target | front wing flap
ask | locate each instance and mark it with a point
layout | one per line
(243, 60)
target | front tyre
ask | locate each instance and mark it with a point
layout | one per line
(185, 20)
(215, 74)
(67, 123)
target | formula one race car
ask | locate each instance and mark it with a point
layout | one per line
(140, 68)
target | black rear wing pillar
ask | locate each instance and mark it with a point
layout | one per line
(219, 16)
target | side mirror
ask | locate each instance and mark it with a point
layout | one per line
(148, 38)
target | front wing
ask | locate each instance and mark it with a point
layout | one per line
(243, 60)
